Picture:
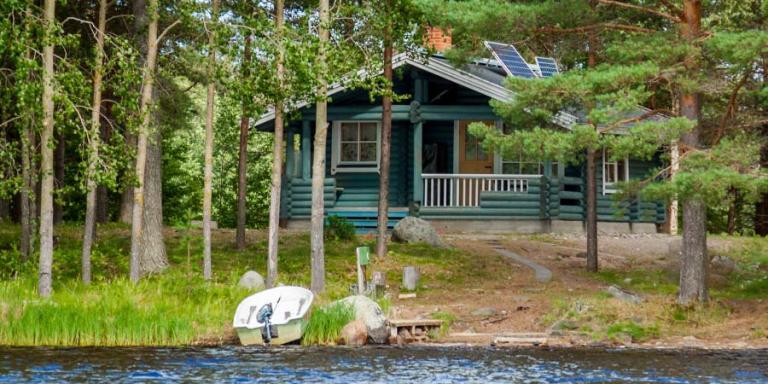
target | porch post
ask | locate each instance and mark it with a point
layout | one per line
(418, 185)
(548, 168)
(290, 152)
(419, 95)
(306, 152)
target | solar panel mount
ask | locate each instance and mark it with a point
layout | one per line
(547, 66)
(511, 60)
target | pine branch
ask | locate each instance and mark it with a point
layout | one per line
(642, 9)
(674, 9)
(730, 110)
(603, 26)
(166, 30)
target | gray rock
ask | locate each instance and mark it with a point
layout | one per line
(561, 325)
(414, 230)
(485, 312)
(624, 295)
(354, 333)
(675, 248)
(722, 265)
(252, 280)
(372, 316)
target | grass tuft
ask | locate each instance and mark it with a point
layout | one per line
(325, 324)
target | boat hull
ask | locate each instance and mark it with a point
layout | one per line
(289, 332)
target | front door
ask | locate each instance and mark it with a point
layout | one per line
(472, 158)
(465, 191)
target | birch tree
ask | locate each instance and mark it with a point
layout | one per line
(93, 144)
(277, 154)
(318, 160)
(142, 140)
(242, 164)
(209, 113)
(46, 149)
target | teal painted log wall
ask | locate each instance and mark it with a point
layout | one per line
(362, 189)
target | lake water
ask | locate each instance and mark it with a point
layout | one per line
(379, 365)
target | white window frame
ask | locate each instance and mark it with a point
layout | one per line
(610, 187)
(540, 164)
(353, 166)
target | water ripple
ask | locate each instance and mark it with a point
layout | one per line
(407, 365)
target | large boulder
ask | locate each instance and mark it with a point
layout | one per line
(414, 230)
(252, 280)
(371, 315)
(624, 295)
(355, 333)
(722, 265)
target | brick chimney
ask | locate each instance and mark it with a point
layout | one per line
(438, 39)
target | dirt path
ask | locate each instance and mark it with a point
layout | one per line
(540, 272)
(513, 300)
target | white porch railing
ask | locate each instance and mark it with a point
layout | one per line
(463, 190)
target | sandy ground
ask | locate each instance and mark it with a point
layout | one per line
(521, 304)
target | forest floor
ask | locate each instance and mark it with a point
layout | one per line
(471, 286)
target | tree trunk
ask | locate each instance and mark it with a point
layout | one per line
(591, 174)
(386, 141)
(141, 147)
(126, 198)
(208, 172)
(102, 194)
(26, 190)
(58, 180)
(733, 211)
(152, 257)
(591, 192)
(277, 164)
(694, 261)
(46, 166)
(242, 165)
(93, 146)
(34, 188)
(318, 160)
(761, 207)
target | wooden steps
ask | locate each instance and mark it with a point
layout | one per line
(365, 220)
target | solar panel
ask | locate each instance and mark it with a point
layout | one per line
(547, 66)
(511, 60)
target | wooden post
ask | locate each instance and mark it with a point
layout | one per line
(418, 184)
(674, 168)
(306, 150)
(290, 155)
(362, 256)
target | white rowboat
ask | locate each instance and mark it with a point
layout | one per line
(273, 316)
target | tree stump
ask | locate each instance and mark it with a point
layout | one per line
(411, 278)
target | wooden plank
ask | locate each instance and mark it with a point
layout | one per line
(416, 322)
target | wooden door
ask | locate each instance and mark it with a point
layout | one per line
(472, 158)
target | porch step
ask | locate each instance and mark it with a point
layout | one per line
(365, 220)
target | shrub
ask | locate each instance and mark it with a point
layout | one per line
(339, 228)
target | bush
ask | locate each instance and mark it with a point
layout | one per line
(339, 228)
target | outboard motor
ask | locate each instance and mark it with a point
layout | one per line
(263, 316)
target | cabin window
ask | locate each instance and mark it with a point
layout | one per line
(356, 146)
(614, 171)
(522, 167)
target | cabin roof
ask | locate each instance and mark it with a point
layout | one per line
(478, 77)
(485, 76)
